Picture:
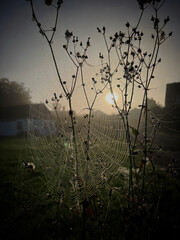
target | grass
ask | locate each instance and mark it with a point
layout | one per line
(26, 215)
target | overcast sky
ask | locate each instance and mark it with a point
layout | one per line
(25, 56)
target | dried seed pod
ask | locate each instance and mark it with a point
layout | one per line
(48, 2)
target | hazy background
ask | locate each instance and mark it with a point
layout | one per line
(25, 56)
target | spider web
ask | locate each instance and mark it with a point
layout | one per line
(66, 172)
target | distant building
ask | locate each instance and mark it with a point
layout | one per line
(172, 94)
(22, 119)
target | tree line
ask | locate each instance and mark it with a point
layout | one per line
(13, 93)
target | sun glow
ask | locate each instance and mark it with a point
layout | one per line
(110, 98)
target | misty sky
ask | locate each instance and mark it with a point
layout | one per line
(25, 56)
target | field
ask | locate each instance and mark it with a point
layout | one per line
(26, 215)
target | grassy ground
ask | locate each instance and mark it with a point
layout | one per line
(40, 219)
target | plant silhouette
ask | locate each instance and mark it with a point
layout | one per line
(93, 160)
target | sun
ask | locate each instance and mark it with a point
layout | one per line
(110, 98)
